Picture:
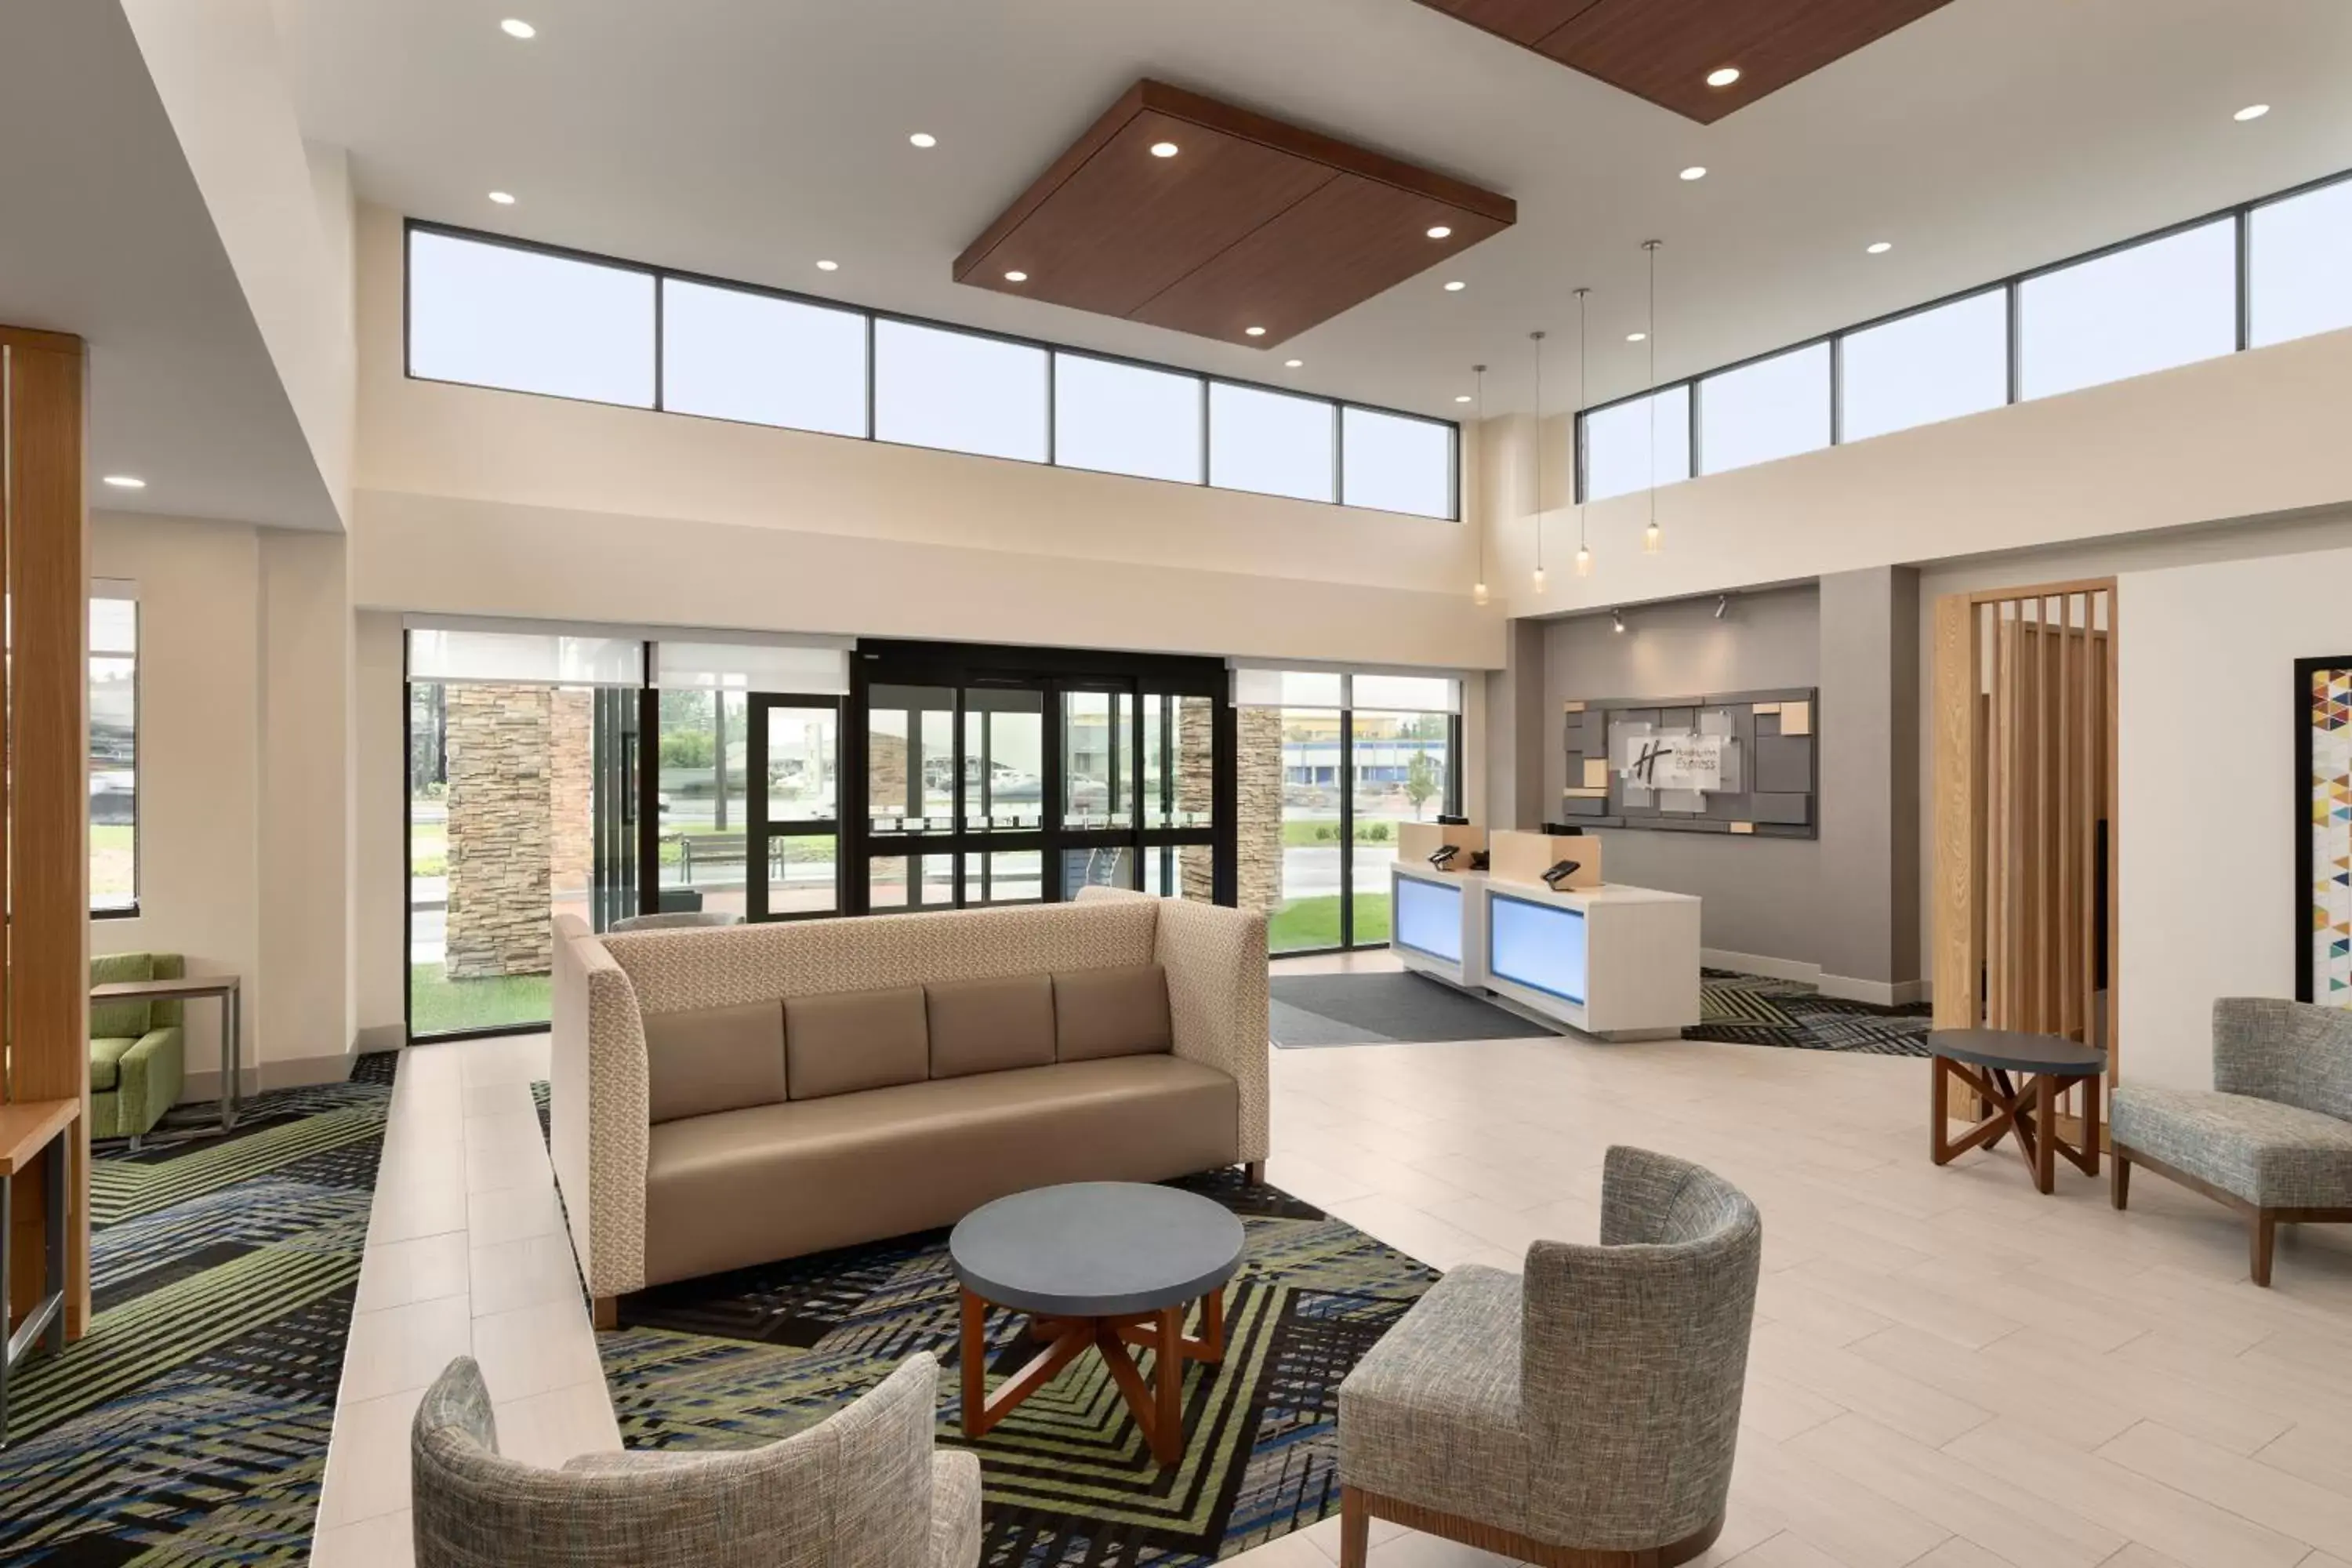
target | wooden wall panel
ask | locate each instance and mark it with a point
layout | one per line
(2024, 776)
(46, 562)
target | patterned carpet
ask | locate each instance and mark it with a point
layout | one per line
(748, 1357)
(189, 1426)
(1751, 1010)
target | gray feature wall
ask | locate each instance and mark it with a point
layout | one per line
(1846, 901)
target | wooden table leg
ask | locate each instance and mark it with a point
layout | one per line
(1168, 1358)
(1213, 1326)
(2045, 1132)
(1939, 1111)
(974, 1357)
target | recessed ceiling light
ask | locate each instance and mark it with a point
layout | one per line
(516, 28)
(1017, 276)
(1456, 287)
(1255, 332)
(2252, 112)
(1636, 337)
(1879, 247)
(1164, 149)
(1462, 398)
(1723, 75)
(1696, 172)
(828, 266)
(125, 482)
(1292, 363)
(504, 198)
(924, 139)
(1440, 232)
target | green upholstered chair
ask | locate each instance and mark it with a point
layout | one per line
(138, 1050)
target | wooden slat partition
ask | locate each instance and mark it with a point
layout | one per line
(45, 571)
(2023, 779)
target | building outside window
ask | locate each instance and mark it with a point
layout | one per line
(113, 749)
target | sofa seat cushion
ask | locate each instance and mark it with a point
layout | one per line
(2270, 1156)
(1431, 1415)
(106, 1062)
(779, 1181)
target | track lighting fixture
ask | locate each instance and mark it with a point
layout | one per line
(1722, 605)
(1617, 621)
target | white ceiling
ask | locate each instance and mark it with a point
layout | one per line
(104, 233)
(747, 139)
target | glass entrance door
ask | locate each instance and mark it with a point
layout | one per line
(793, 808)
(989, 785)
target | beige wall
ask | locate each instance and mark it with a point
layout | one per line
(496, 502)
(2207, 655)
(2247, 435)
(199, 754)
(244, 778)
(379, 855)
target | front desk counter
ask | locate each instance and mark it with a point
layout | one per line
(1617, 962)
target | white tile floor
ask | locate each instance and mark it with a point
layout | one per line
(1950, 1370)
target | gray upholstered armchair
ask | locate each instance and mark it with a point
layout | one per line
(861, 1487)
(1583, 1414)
(2273, 1139)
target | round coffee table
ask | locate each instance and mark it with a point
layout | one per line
(1981, 1061)
(1105, 1264)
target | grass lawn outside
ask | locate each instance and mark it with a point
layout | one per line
(440, 1005)
(1305, 834)
(1306, 923)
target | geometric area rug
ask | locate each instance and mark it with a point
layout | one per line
(189, 1424)
(741, 1358)
(1753, 1010)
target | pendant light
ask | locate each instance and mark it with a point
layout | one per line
(1478, 589)
(1584, 549)
(1537, 339)
(1653, 539)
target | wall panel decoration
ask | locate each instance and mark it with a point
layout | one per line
(1741, 761)
(2323, 881)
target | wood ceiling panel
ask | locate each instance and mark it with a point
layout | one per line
(1251, 222)
(1352, 239)
(1662, 49)
(1527, 22)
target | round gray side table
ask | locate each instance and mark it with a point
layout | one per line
(1100, 1264)
(1981, 1062)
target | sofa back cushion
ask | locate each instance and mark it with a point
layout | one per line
(124, 1019)
(990, 1026)
(852, 1040)
(1118, 1012)
(714, 1059)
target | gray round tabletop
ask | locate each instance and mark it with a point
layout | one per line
(2014, 1051)
(1095, 1249)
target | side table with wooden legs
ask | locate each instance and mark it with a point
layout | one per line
(1981, 1062)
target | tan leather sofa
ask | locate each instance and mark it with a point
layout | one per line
(733, 1096)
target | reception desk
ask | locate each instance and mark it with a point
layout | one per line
(1618, 961)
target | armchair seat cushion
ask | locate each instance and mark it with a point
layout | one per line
(1430, 1416)
(2269, 1154)
(106, 1062)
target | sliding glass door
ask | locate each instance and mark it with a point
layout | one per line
(1349, 759)
(794, 807)
(1018, 776)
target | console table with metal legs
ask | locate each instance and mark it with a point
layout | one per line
(225, 988)
(35, 1130)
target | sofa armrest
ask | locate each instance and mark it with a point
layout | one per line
(2289, 1052)
(599, 1111)
(1215, 961)
(149, 1078)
